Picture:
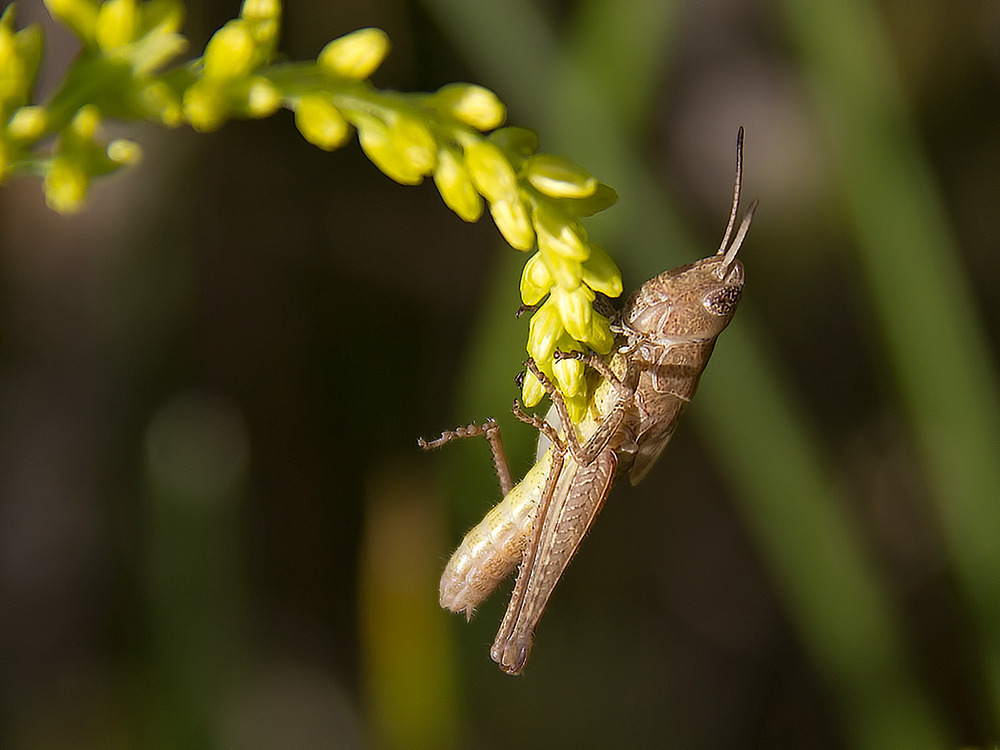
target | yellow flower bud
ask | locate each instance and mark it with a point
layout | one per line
(602, 197)
(544, 330)
(511, 217)
(456, 188)
(575, 309)
(560, 233)
(78, 15)
(205, 105)
(124, 152)
(116, 24)
(558, 177)
(65, 186)
(404, 152)
(569, 373)
(264, 20)
(263, 98)
(261, 10)
(320, 122)
(230, 52)
(28, 123)
(536, 280)
(473, 105)
(600, 273)
(490, 170)
(414, 142)
(515, 140)
(532, 390)
(565, 271)
(356, 55)
(160, 99)
(86, 122)
(599, 338)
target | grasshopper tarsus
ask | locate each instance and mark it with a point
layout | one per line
(491, 431)
(537, 422)
(459, 433)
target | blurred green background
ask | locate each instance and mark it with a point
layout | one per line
(216, 529)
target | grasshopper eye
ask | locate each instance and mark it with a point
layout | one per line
(722, 301)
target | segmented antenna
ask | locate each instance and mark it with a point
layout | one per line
(738, 240)
(736, 192)
(730, 254)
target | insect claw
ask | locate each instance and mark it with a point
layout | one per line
(519, 379)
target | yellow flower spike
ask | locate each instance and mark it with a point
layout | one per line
(124, 152)
(79, 15)
(456, 188)
(474, 105)
(511, 218)
(569, 374)
(600, 273)
(600, 338)
(536, 280)
(28, 123)
(565, 271)
(575, 309)
(65, 186)
(531, 391)
(560, 233)
(515, 140)
(490, 170)
(117, 21)
(263, 98)
(544, 330)
(558, 177)
(320, 122)
(230, 53)
(356, 55)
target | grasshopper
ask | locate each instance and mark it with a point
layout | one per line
(664, 337)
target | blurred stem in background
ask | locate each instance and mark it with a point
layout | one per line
(196, 463)
(409, 669)
(598, 87)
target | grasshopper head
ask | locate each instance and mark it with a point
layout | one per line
(695, 302)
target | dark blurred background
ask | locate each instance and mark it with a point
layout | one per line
(216, 529)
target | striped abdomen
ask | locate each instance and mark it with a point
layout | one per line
(493, 548)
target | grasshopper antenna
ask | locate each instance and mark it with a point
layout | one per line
(741, 233)
(736, 192)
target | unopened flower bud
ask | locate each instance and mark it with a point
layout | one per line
(356, 55)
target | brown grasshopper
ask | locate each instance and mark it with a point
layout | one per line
(664, 337)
